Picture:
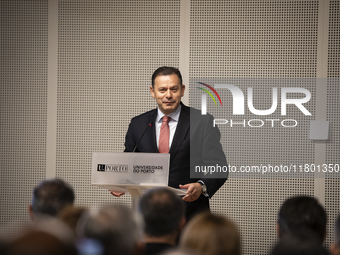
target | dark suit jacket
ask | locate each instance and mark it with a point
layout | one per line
(206, 150)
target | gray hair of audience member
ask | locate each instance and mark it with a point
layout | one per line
(299, 243)
(51, 196)
(162, 211)
(302, 212)
(211, 234)
(115, 226)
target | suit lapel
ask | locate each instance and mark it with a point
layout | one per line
(181, 131)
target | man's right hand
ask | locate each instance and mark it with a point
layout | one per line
(117, 193)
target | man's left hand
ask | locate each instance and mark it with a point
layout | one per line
(193, 193)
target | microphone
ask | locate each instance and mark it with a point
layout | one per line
(149, 126)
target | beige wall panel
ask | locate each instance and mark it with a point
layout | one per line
(23, 108)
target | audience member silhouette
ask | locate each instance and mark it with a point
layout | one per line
(50, 237)
(70, 215)
(115, 227)
(180, 251)
(163, 213)
(299, 242)
(301, 226)
(49, 198)
(302, 213)
(211, 234)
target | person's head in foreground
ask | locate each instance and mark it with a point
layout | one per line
(302, 213)
(299, 243)
(70, 215)
(180, 251)
(211, 234)
(50, 197)
(50, 237)
(114, 226)
(336, 245)
(163, 213)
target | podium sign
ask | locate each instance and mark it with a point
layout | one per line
(131, 172)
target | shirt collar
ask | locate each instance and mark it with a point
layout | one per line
(174, 115)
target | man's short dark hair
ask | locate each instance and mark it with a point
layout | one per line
(302, 243)
(162, 211)
(302, 213)
(51, 196)
(166, 70)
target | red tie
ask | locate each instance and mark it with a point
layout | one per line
(164, 136)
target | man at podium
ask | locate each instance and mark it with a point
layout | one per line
(190, 138)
